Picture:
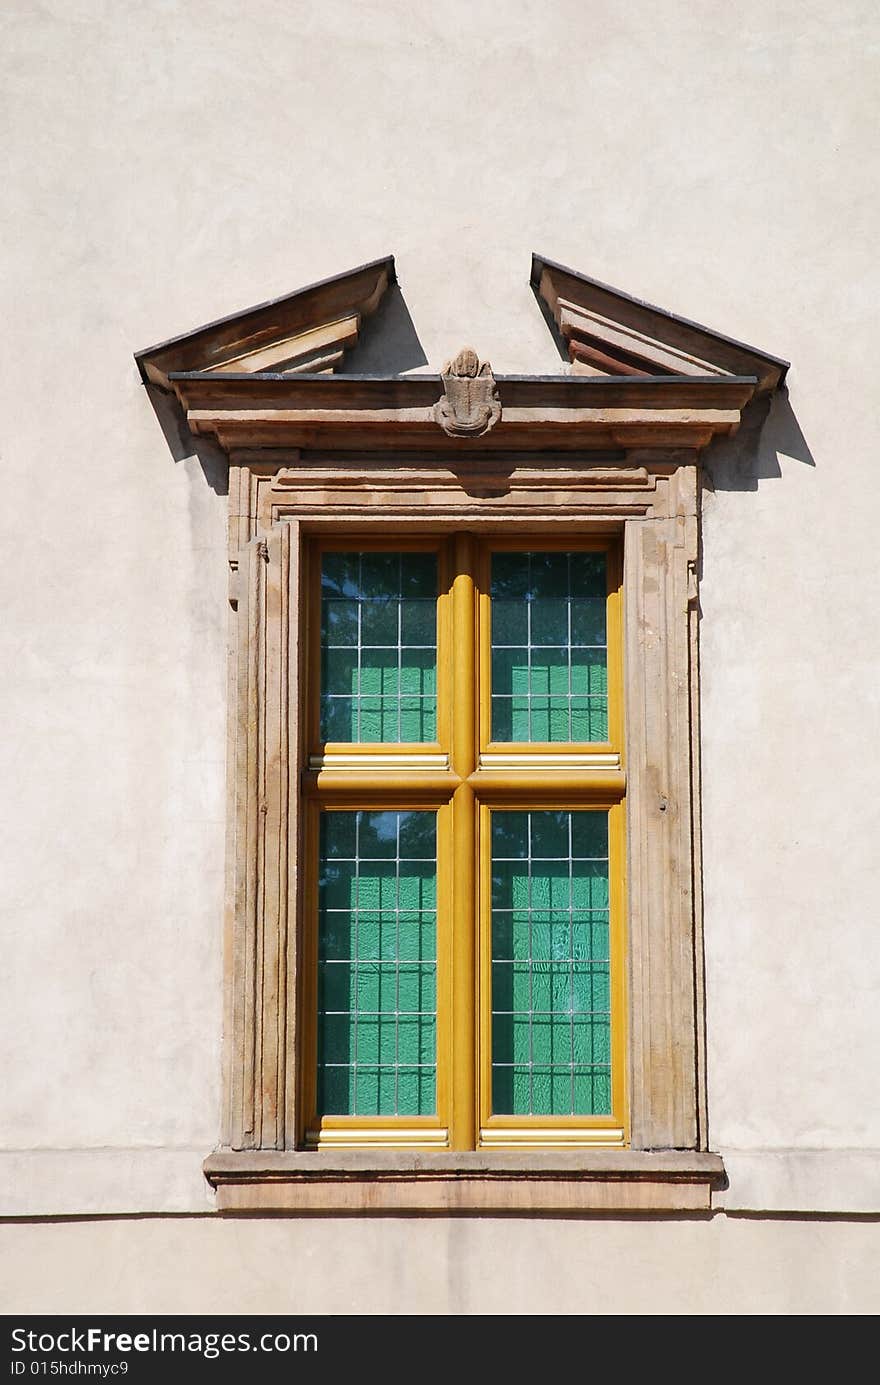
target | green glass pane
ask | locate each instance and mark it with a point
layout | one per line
(427, 1091)
(549, 621)
(548, 575)
(336, 1038)
(336, 935)
(379, 623)
(510, 836)
(588, 621)
(339, 719)
(337, 884)
(550, 836)
(589, 934)
(379, 576)
(335, 985)
(591, 988)
(418, 673)
(378, 647)
(592, 1039)
(502, 719)
(339, 625)
(588, 575)
(418, 836)
(339, 836)
(417, 885)
(510, 885)
(377, 835)
(510, 575)
(510, 671)
(502, 1090)
(589, 673)
(550, 971)
(335, 1091)
(589, 835)
(549, 655)
(367, 1092)
(545, 936)
(390, 721)
(418, 574)
(377, 964)
(339, 575)
(589, 884)
(521, 1092)
(502, 936)
(588, 722)
(418, 622)
(416, 936)
(510, 622)
(538, 719)
(592, 1091)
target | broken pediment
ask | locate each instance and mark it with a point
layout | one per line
(607, 333)
(306, 332)
(269, 378)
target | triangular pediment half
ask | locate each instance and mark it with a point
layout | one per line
(607, 332)
(306, 332)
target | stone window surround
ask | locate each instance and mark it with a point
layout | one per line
(652, 502)
(613, 449)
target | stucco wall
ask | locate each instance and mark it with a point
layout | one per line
(169, 162)
(729, 1265)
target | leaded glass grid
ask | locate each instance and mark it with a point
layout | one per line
(549, 647)
(377, 964)
(379, 647)
(551, 998)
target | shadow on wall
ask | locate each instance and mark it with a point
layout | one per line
(182, 443)
(388, 345)
(769, 428)
(550, 322)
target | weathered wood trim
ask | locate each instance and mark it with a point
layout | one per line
(298, 331)
(613, 332)
(568, 413)
(665, 968)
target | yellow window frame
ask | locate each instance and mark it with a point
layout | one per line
(464, 776)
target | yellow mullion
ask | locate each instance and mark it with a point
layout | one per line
(464, 761)
(618, 959)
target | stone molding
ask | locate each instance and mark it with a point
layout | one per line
(650, 499)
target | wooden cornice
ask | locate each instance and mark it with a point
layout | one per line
(639, 378)
(306, 331)
(541, 413)
(607, 332)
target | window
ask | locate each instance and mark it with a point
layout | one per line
(464, 960)
(375, 990)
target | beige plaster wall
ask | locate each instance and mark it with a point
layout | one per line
(169, 162)
(210, 1265)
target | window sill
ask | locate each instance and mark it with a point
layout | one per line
(394, 1181)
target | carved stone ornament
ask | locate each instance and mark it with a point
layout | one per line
(470, 405)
